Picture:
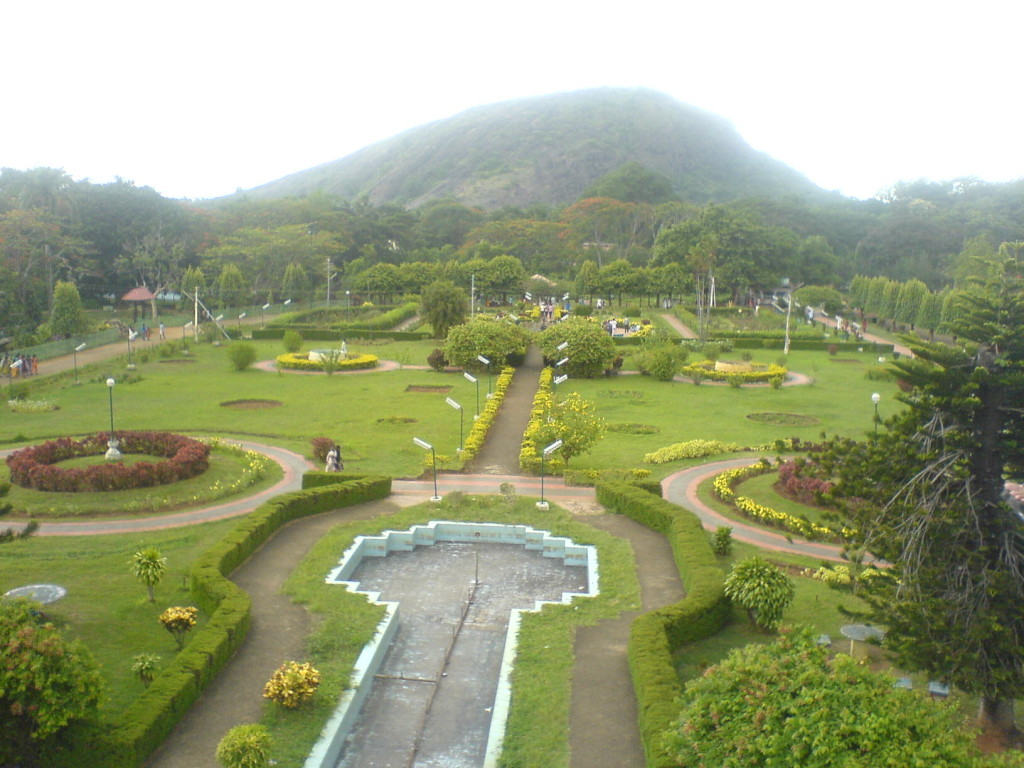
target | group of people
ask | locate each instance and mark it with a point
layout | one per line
(334, 460)
(19, 365)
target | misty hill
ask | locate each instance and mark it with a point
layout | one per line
(549, 150)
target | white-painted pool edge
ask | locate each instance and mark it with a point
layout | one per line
(328, 747)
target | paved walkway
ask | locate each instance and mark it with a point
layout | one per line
(603, 716)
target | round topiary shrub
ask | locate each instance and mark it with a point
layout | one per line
(245, 746)
(242, 355)
(35, 467)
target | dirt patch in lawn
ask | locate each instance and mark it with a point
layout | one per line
(783, 419)
(431, 390)
(250, 405)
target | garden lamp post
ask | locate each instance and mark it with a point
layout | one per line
(876, 398)
(559, 379)
(185, 328)
(348, 299)
(112, 454)
(564, 345)
(458, 408)
(433, 463)
(548, 450)
(74, 353)
(486, 362)
(263, 312)
(473, 379)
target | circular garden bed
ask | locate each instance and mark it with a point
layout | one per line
(301, 362)
(36, 466)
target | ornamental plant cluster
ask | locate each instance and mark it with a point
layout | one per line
(293, 683)
(796, 484)
(705, 370)
(179, 620)
(301, 362)
(724, 483)
(35, 466)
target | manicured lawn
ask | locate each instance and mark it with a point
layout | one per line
(839, 399)
(373, 415)
(105, 605)
(815, 605)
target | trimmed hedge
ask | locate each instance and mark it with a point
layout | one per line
(298, 362)
(654, 635)
(321, 334)
(153, 715)
(806, 345)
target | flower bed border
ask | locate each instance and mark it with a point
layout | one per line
(297, 362)
(34, 467)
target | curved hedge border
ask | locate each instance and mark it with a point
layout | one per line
(654, 635)
(297, 362)
(34, 467)
(152, 716)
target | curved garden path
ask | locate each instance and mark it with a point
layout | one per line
(603, 713)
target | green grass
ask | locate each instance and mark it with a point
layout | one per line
(538, 722)
(815, 605)
(375, 416)
(105, 605)
(356, 409)
(229, 476)
(840, 399)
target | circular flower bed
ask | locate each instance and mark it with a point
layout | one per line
(34, 467)
(745, 373)
(301, 362)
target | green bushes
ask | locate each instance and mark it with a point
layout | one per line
(654, 635)
(242, 355)
(152, 716)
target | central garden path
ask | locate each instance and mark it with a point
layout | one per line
(603, 715)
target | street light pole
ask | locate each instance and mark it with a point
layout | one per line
(77, 349)
(471, 378)
(457, 407)
(543, 455)
(876, 398)
(486, 362)
(433, 463)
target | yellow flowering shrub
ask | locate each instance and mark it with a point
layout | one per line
(178, 621)
(301, 362)
(293, 683)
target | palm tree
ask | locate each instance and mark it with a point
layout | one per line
(149, 567)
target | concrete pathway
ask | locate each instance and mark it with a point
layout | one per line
(603, 716)
(681, 488)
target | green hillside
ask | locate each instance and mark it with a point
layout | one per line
(549, 150)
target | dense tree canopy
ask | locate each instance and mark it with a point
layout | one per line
(790, 703)
(928, 496)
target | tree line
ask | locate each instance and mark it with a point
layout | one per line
(107, 238)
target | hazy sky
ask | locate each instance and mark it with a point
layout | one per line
(197, 99)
